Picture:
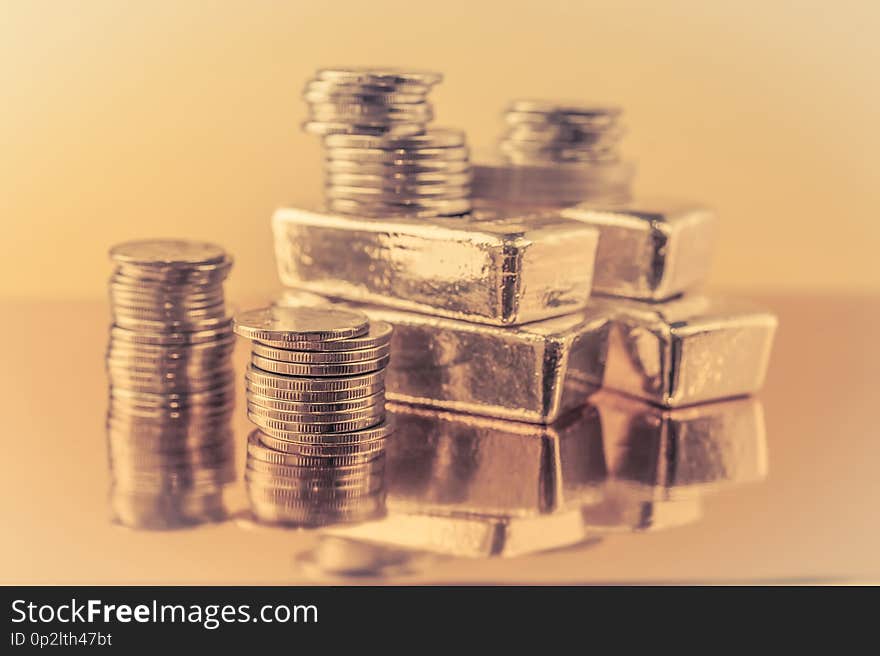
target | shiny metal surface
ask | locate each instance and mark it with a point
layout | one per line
(693, 349)
(811, 517)
(505, 270)
(649, 249)
(532, 373)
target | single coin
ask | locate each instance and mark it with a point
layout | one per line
(307, 407)
(320, 357)
(159, 279)
(378, 335)
(361, 95)
(299, 396)
(371, 114)
(259, 451)
(378, 75)
(289, 430)
(369, 88)
(171, 338)
(416, 193)
(300, 324)
(376, 413)
(431, 139)
(529, 106)
(374, 433)
(393, 179)
(407, 156)
(324, 128)
(394, 168)
(167, 252)
(371, 470)
(344, 383)
(320, 370)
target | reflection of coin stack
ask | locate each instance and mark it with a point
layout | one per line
(556, 154)
(316, 391)
(381, 158)
(171, 383)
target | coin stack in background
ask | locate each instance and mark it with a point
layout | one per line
(382, 160)
(315, 389)
(562, 153)
(171, 383)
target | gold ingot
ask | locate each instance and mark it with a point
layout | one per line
(532, 373)
(689, 350)
(486, 268)
(649, 250)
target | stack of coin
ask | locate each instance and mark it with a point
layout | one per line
(540, 132)
(371, 101)
(171, 383)
(419, 176)
(316, 390)
(382, 159)
(555, 154)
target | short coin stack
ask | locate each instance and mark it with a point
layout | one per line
(541, 132)
(382, 159)
(372, 101)
(171, 383)
(555, 155)
(316, 391)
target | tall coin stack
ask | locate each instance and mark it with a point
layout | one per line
(171, 383)
(555, 154)
(382, 160)
(315, 389)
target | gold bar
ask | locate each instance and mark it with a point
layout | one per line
(649, 250)
(491, 269)
(689, 350)
(530, 373)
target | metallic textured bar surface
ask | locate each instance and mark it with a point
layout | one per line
(696, 450)
(451, 463)
(649, 250)
(689, 350)
(492, 269)
(662, 463)
(530, 373)
(615, 465)
(450, 485)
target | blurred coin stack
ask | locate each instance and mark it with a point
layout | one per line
(382, 160)
(171, 383)
(555, 154)
(316, 391)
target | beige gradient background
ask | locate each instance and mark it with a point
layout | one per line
(123, 120)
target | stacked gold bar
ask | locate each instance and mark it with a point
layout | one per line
(315, 390)
(492, 312)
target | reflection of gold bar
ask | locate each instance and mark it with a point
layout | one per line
(499, 271)
(662, 462)
(470, 486)
(686, 351)
(649, 250)
(471, 536)
(443, 463)
(684, 452)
